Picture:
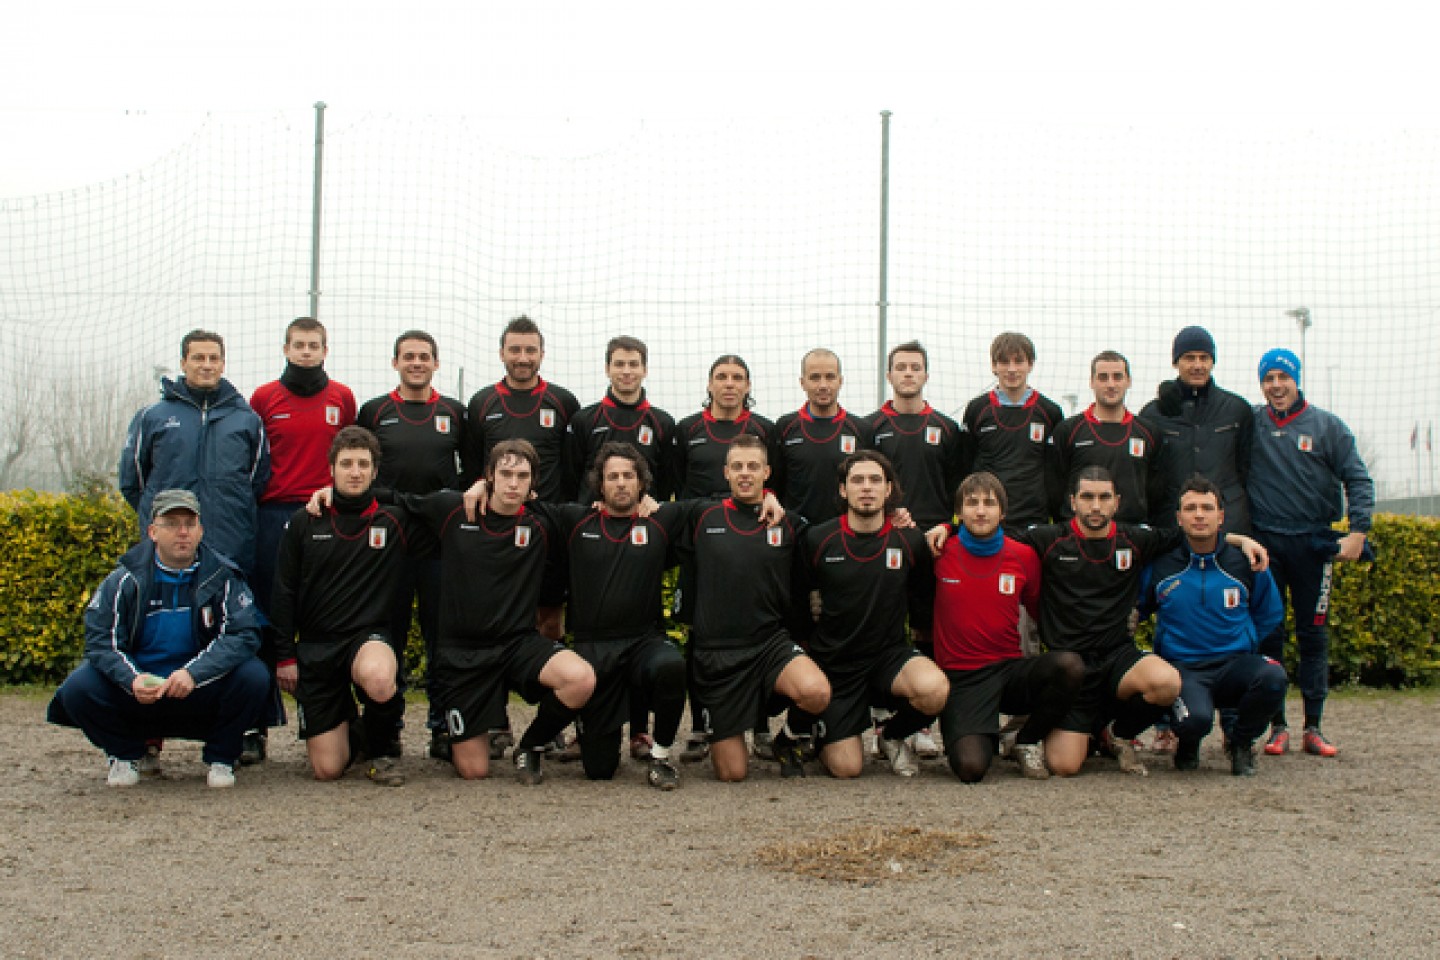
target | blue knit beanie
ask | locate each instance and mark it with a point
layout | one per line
(1283, 360)
(1192, 340)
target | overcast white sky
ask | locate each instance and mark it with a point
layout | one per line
(89, 89)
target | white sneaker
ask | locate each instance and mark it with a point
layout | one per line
(123, 773)
(901, 756)
(925, 744)
(1124, 751)
(221, 776)
(1031, 758)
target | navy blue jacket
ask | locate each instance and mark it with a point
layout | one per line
(1209, 606)
(1301, 465)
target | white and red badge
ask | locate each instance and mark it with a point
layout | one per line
(1306, 443)
(547, 417)
(932, 436)
(1123, 558)
(1137, 447)
(442, 424)
(847, 443)
(639, 536)
(775, 536)
(207, 617)
(645, 435)
(377, 538)
(1232, 598)
(1007, 584)
(893, 559)
(332, 416)
(1037, 433)
(522, 536)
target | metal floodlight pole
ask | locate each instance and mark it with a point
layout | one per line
(884, 300)
(1301, 316)
(315, 210)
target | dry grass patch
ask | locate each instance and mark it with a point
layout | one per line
(870, 854)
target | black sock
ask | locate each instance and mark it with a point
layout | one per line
(381, 723)
(903, 722)
(552, 717)
(1134, 716)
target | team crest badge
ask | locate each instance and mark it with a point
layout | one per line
(442, 424)
(547, 418)
(332, 416)
(892, 558)
(377, 538)
(639, 536)
(1037, 433)
(774, 536)
(1232, 598)
(847, 444)
(645, 435)
(1123, 559)
(1137, 447)
(932, 436)
(522, 536)
(1007, 584)
(1306, 443)
(207, 617)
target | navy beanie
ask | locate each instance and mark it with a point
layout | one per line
(1283, 360)
(1192, 340)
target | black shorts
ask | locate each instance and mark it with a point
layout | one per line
(978, 697)
(622, 670)
(1097, 692)
(736, 684)
(472, 683)
(855, 687)
(324, 694)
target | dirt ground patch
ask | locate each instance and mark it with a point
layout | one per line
(1313, 858)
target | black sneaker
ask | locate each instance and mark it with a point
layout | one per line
(1187, 754)
(252, 748)
(500, 741)
(663, 775)
(1242, 760)
(790, 754)
(439, 745)
(527, 766)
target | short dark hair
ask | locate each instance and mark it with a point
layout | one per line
(1201, 485)
(417, 335)
(201, 336)
(980, 482)
(748, 441)
(909, 346)
(520, 450)
(1010, 343)
(842, 473)
(625, 451)
(354, 438)
(1109, 356)
(306, 325)
(522, 325)
(720, 361)
(626, 343)
(1094, 473)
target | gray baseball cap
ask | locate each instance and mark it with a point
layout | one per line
(168, 500)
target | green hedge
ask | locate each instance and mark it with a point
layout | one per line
(1384, 617)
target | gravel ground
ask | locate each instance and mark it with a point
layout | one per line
(1313, 858)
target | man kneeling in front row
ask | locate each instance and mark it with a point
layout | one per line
(170, 642)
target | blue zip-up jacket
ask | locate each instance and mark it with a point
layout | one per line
(213, 446)
(1300, 465)
(1209, 606)
(224, 624)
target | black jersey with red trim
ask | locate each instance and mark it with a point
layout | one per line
(1013, 442)
(701, 443)
(422, 442)
(540, 415)
(617, 566)
(925, 450)
(868, 582)
(337, 574)
(743, 572)
(810, 449)
(1088, 587)
(1130, 449)
(647, 428)
(492, 569)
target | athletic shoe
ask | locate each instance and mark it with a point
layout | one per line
(221, 776)
(1242, 760)
(1166, 741)
(640, 745)
(923, 742)
(527, 766)
(123, 773)
(252, 748)
(1123, 751)
(149, 765)
(1187, 754)
(1279, 742)
(1031, 758)
(385, 771)
(901, 756)
(764, 746)
(663, 775)
(500, 741)
(1315, 744)
(697, 748)
(567, 751)
(440, 746)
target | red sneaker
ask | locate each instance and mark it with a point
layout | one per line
(1316, 744)
(1279, 742)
